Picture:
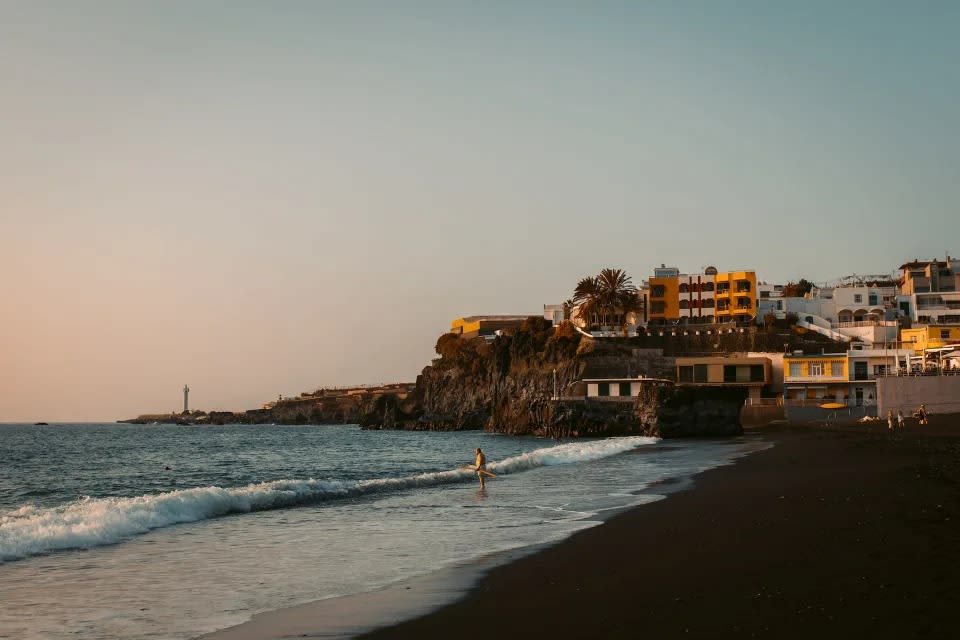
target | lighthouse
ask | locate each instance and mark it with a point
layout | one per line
(186, 399)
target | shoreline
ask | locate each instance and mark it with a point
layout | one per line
(352, 615)
(843, 531)
(847, 530)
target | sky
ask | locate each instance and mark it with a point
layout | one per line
(265, 198)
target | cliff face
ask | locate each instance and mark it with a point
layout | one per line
(507, 386)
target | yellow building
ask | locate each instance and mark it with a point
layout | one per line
(821, 376)
(473, 326)
(752, 373)
(736, 296)
(930, 336)
(705, 298)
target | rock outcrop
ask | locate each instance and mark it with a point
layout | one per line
(531, 382)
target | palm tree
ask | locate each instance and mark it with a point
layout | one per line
(587, 295)
(611, 292)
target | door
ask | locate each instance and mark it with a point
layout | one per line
(859, 396)
(860, 371)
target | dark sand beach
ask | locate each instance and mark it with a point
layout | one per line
(847, 531)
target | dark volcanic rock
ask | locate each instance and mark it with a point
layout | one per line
(507, 385)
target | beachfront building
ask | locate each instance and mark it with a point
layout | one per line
(930, 291)
(848, 378)
(752, 373)
(619, 389)
(485, 326)
(703, 298)
(815, 377)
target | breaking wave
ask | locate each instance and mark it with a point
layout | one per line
(92, 522)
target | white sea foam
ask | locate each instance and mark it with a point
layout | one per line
(92, 522)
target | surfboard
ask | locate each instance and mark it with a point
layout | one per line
(483, 472)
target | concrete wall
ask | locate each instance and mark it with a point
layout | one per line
(941, 394)
(776, 368)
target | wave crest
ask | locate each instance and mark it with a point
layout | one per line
(92, 522)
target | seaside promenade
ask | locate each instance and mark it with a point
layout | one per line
(850, 531)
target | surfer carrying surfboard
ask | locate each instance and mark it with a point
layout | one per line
(481, 465)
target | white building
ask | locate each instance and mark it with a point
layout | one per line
(851, 313)
(553, 313)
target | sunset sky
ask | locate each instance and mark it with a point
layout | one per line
(259, 198)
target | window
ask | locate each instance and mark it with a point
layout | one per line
(624, 388)
(756, 373)
(603, 389)
(685, 374)
(816, 369)
(879, 369)
(795, 370)
(658, 291)
(858, 297)
(684, 288)
(944, 333)
(836, 369)
(872, 298)
(658, 306)
(729, 373)
(684, 304)
(706, 286)
(699, 373)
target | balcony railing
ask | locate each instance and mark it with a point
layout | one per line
(820, 378)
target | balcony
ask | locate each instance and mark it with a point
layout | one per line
(825, 378)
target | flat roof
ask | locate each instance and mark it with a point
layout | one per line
(815, 355)
(627, 380)
(497, 317)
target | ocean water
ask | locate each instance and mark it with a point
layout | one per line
(119, 531)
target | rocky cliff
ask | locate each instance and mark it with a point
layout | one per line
(508, 384)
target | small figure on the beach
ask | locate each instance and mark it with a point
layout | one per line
(900, 424)
(890, 419)
(922, 414)
(481, 465)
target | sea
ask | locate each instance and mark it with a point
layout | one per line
(115, 531)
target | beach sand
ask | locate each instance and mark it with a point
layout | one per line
(844, 531)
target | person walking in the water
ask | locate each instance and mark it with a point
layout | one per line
(481, 465)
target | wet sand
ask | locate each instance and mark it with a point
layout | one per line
(844, 531)
(850, 531)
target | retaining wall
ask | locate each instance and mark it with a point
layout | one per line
(940, 394)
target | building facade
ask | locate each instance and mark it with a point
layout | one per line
(932, 336)
(847, 378)
(930, 291)
(484, 326)
(753, 373)
(704, 298)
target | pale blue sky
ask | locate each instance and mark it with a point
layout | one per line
(261, 198)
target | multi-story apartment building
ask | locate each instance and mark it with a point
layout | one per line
(930, 291)
(703, 298)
